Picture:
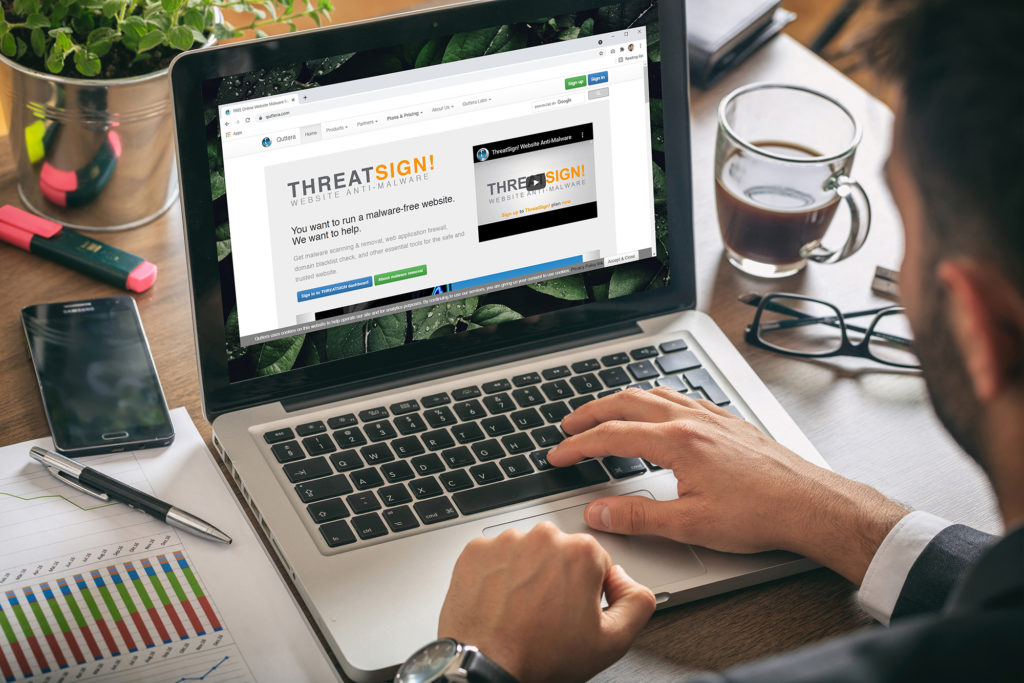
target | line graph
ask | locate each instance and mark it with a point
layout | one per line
(64, 498)
(203, 677)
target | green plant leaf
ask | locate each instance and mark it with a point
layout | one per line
(38, 40)
(169, 5)
(55, 60)
(492, 314)
(101, 33)
(217, 185)
(111, 7)
(22, 48)
(222, 32)
(223, 249)
(657, 128)
(471, 44)
(101, 48)
(569, 288)
(658, 176)
(386, 332)
(426, 321)
(37, 21)
(631, 278)
(234, 348)
(180, 37)
(151, 40)
(87, 63)
(63, 41)
(653, 43)
(431, 53)
(277, 356)
(8, 45)
(194, 18)
(345, 341)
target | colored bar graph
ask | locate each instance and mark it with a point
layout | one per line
(94, 610)
(12, 640)
(62, 623)
(133, 611)
(147, 566)
(30, 637)
(108, 600)
(197, 590)
(51, 639)
(140, 588)
(90, 641)
(180, 593)
(5, 668)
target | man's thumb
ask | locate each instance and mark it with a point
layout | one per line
(628, 515)
(630, 605)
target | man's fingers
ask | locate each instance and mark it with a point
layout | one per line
(631, 405)
(631, 515)
(625, 439)
(630, 605)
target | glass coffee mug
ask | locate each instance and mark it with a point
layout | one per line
(782, 167)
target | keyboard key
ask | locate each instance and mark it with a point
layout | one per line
(372, 414)
(524, 380)
(400, 519)
(614, 377)
(488, 450)
(427, 464)
(701, 379)
(556, 391)
(403, 407)
(410, 424)
(458, 457)
(465, 392)
(348, 437)
(438, 439)
(496, 386)
(380, 431)
(674, 345)
(427, 487)
(369, 526)
(457, 480)
(547, 436)
(527, 396)
(496, 426)
(678, 361)
(586, 384)
(363, 502)
(469, 410)
(734, 410)
(278, 435)
(516, 466)
(641, 385)
(346, 460)
(328, 510)
(486, 473)
(439, 417)
(366, 478)
(643, 352)
(556, 373)
(614, 359)
(397, 471)
(575, 403)
(396, 494)
(643, 370)
(499, 403)
(696, 395)
(651, 466)
(517, 443)
(586, 365)
(407, 446)
(467, 432)
(318, 445)
(328, 487)
(377, 453)
(527, 419)
(435, 400)
(623, 467)
(337, 533)
(287, 451)
(311, 428)
(554, 412)
(307, 469)
(540, 459)
(549, 482)
(672, 382)
(609, 392)
(434, 511)
(342, 421)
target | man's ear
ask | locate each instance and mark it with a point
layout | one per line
(986, 313)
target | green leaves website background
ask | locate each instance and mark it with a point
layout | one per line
(466, 314)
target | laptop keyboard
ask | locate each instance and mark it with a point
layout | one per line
(390, 469)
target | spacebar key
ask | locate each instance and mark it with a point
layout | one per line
(549, 482)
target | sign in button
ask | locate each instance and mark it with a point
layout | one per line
(403, 274)
(575, 82)
(597, 78)
(336, 288)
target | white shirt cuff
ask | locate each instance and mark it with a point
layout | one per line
(888, 570)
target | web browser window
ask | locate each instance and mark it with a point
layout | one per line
(380, 195)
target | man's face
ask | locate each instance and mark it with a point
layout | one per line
(927, 306)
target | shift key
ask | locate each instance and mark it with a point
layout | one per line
(546, 483)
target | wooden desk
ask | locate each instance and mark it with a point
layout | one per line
(870, 424)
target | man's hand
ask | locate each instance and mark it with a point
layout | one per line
(532, 603)
(739, 490)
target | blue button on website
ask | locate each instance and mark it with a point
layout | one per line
(336, 288)
(599, 77)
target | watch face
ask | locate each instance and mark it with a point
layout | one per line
(429, 661)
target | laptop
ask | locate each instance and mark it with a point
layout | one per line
(415, 244)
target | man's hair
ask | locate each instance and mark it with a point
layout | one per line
(960, 66)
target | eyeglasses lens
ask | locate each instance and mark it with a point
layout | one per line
(800, 326)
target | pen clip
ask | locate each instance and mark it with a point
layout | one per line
(78, 486)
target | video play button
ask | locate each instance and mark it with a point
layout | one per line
(536, 182)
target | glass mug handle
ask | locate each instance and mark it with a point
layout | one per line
(860, 222)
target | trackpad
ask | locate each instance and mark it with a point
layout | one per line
(651, 560)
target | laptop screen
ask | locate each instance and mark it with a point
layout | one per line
(377, 198)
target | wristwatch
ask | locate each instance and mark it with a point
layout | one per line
(448, 660)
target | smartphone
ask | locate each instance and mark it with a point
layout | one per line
(100, 389)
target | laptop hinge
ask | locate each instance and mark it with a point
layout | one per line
(458, 366)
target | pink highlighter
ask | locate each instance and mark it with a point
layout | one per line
(74, 250)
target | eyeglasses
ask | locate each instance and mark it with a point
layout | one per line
(800, 326)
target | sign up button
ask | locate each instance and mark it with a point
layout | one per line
(575, 82)
(597, 78)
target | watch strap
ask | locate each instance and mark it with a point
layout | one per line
(481, 669)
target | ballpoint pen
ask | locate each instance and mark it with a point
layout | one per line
(96, 484)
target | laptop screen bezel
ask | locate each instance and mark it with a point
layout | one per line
(191, 69)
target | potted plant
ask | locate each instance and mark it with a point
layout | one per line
(83, 85)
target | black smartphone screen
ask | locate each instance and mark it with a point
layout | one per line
(99, 385)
